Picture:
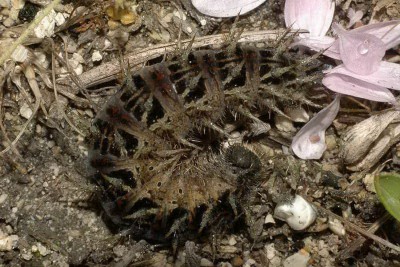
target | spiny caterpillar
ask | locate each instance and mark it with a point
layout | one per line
(162, 144)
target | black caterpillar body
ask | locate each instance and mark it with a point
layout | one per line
(160, 144)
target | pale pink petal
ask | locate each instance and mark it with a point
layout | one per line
(303, 11)
(321, 17)
(354, 16)
(225, 8)
(387, 75)
(361, 53)
(309, 142)
(290, 14)
(350, 86)
(388, 32)
(318, 44)
(314, 16)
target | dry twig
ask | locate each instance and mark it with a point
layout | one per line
(358, 229)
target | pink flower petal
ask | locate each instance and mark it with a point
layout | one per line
(290, 14)
(387, 75)
(309, 142)
(354, 16)
(312, 15)
(361, 53)
(321, 17)
(351, 86)
(388, 32)
(225, 8)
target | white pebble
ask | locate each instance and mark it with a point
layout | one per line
(297, 213)
(270, 251)
(269, 219)
(336, 227)
(8, 243)
(249, 263)
(299, 259)
(20, 54)
(26, 111)
(96, 56)
(232, 241)
(46, 27)
(206, 263)
(42, 250)
(60, 19)
(3, 198)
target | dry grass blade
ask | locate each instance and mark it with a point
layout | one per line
(109, 71)
(348, 252)
(358, 229)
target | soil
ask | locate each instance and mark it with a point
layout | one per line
(50, 212)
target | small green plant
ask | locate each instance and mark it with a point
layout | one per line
(387, 186)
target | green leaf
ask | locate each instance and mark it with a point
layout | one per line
(387, 186)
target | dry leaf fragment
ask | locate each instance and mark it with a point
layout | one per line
(360, 139)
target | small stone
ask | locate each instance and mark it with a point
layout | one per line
(203, 22)
(249, 263)
(324, 253)
(25, 111)
(8, 242)
(51, 144)
(3, 198)
(284, 124)
(45, 184)
(46, 27)
(299, 259)
(96, 56)
(60, 19)
(206, 263)
(18, 4)
(330, 141)
(8, 22)
(232, 241)
(27, 256)
(42, 250)
(336, 227)
(269, 219)
(34, 248)
(120, 250)
(237, 261)
(270, 251)
(298, 213)
(369, 182)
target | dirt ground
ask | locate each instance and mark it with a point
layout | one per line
(50, 213)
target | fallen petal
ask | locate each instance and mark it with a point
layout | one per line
(290, 14)
(312, 15)
(388, 32)
(361, 53)
(351, 86)
(387, 75)
(321, 17)
(309, 142)
(225, 8)
(354, 16)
